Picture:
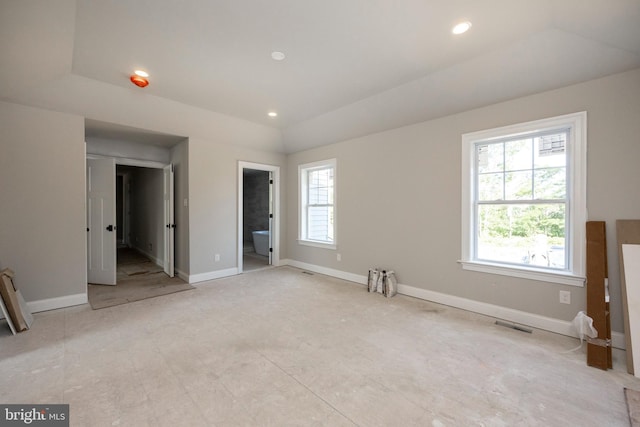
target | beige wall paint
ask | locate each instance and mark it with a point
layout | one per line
(213, 193)
(42, 193)
(399, 195)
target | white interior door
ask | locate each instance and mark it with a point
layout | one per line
(270, 218)
(169, 222)
(101, 219)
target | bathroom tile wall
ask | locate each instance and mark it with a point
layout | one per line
(256, 202)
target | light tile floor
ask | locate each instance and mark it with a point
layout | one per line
(282, 348)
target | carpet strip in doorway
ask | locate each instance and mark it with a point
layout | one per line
(103, 296)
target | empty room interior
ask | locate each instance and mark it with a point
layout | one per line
(373, 213)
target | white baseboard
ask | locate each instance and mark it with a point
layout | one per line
(58, 302)
(327, 271)
(212, 275)
(550, 324)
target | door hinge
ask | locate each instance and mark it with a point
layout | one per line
(270, 249)
(270, 215)
(270, 181)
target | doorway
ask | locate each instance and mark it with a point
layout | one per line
(258, 216)
(140, 213)
(132, 210)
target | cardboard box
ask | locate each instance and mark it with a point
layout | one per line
(8, 293)
(5, 313)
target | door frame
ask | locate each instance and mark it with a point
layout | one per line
(123, 161)
(275, 228)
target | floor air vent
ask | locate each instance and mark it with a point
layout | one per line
(512, 326)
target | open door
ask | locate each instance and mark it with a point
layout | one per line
(101, 220)
(170, 225)
(270, 217)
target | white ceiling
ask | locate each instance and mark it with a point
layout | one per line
(352, 67)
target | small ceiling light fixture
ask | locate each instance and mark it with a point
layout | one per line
(272, 114)
(277, 56)
(461, 28)
(139, 78)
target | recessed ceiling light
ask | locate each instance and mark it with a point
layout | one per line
(462, 27)
(277, 56)
(272, 114)
(141, 73)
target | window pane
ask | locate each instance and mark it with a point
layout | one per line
(490, 186)
(518, 185)
(490, 157)
(551, 183)
(522, 234)
(321, 186)
(320, 223)
(518, 155)
(549, 151)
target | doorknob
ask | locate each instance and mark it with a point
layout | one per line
(110, 227)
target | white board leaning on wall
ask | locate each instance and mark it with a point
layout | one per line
(631, 256)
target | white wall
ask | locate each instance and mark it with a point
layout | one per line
(213, 193)
(42, 193)
(399, 196)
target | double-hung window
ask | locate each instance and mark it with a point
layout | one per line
(524, 200)
(317, 209)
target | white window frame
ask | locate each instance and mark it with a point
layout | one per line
(303, 203)
(576, 195)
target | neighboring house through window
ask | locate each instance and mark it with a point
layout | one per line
(317, 184)
(524, 200)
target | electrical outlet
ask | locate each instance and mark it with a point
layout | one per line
(217, 257)
(565, 297)
(339, 257)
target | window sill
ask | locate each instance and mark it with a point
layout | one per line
(524, 273)
(317, 244)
